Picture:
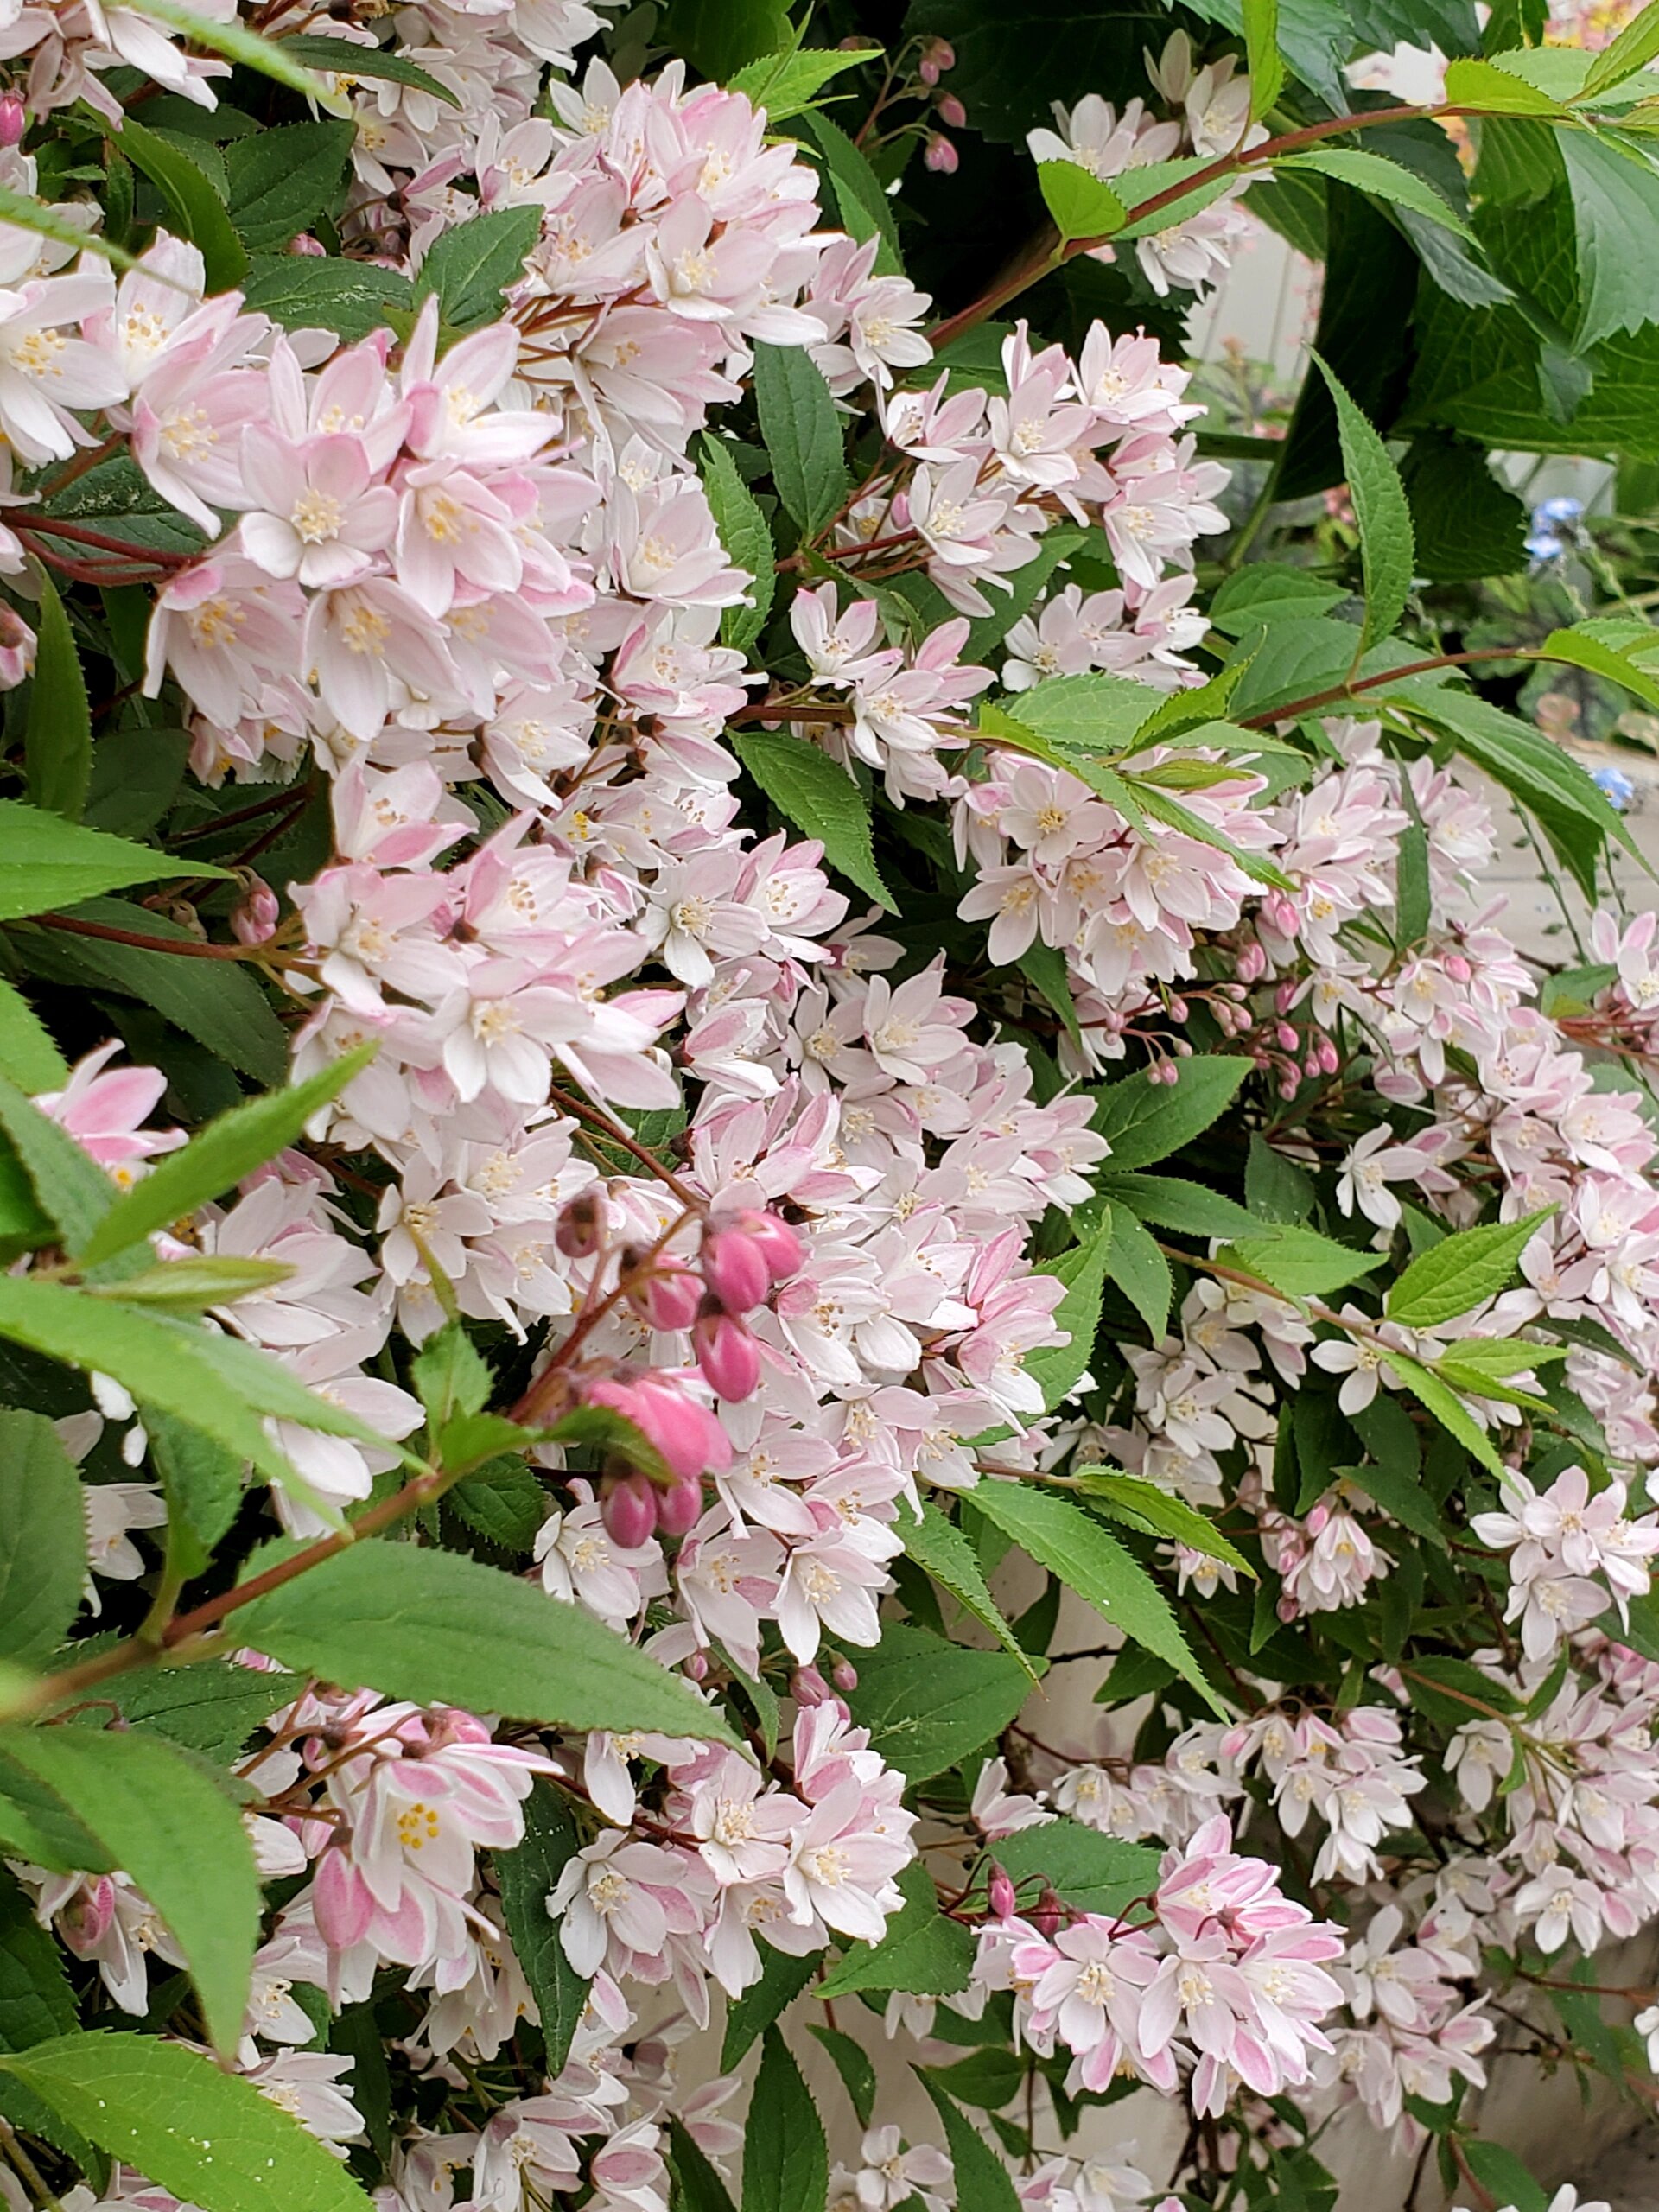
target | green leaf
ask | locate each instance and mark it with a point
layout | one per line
(280, 180)
(304, 292)
(1300, 1262)
(1134, 1263)
(18, 209)
(721, 35)
(1143, 1505)
(226, 1151)
(785, 2159)
(983, 2183)
(1084, 205)
(36, 2002)
(208, 2137)
(1090, 1872)
(1499, 2172)
(987, 631)
(1057, 1369)
(203, 1484)
(503, 1501)
(928, 1704)
(1615, 193)
(1466, 524)
(72, 1190)
(164, 1823)
(213, 1383)
(270, 57)
(1461, 1272)
(818, 796)
(211, 1707)
(1267, 592)
(1097, 713)
(1156, 178)
(47, 862)
(525, 1875)
(1170, 1202)
(1088, 1559)
(939, 1546)
(865, 210)
(28, 1056)
(1144, 1121)
(802, 434)
(1636, 45)
(783, 1977)
(746, 541)
(471, 266)
(698, 2187)
(196, 210)
(344, 58)
(852, 2063)
(786, 83)
(1275, 1189)
(218, 1003)
(1044, 967)
(1261, 55)
(1380, 511)
(1383, 180)
(58, 739)
(42, 1540)
(1447, 1408)
(1489, 88)
(1584, 650)
(921, 1952)
(443, 1630)
(35, 1823)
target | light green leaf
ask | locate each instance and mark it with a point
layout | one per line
(1144, 1506)
(1382, 511)
(1636, 45)
(208, 2137)
(1057, 1369)
(195, 208)
(1461, 1272)
(983, 2183)
(1090, 1872)
(785, 2159)
(1489, 88)
(928, 1704)
(802, 435)
(191, 1285)
(1267, 592)
(1261, 55)
(443, 1630)
(1383, 180)
(1144, 1121)
(72, 1191)
(46, 222)
(818, 796)
(1300, 1262)
(922, 1952)
(28, 1056)
(471, 266)
(1447, 1408)
(181, 1838)
(224, 1152)
(1084, 205)
(1134, 1263)
(1098, 713)
(42, 1540)
(525, 1875)
(1170, 1202)
(1584, 651)
(1088, 1559)
(47, 862)
(1615, 194)
(58, 738)
(785, 84)
(939, 1546)
(746, 541)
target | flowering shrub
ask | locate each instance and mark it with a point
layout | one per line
(709, 1066)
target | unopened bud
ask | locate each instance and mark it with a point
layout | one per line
(952, 111)
(1050, 1916)
(726, 1353)
(938, 55)
(941, 156)
(308, 247)
(1001, 1895)
(17, 649)
(1179, 1009)
(1330, 1059)
(808, 1687)
(679, 1507)
(1251, 962)
(844, 1676)
(629, 1512)
(697, 1666)
(1458, 968)
(254, 918)
(1285, 997)
(735, 1267)
(14, 119)
(1289, 1037)
(665, 1293)
(580, 1229)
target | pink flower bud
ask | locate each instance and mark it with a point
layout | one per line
(665, 1295)
(1001, 1897)
(629, 1511)
(254, 919)
(938, 55)
(17, 649)
(308, 247)
(1289, 1037)
(679, 1507)
(1285, 997)
(844, 1676)
(726, 1353)
(1330, 1059)
(1458, 968)
(14, 119)
(697, 1666)
(580, 1229)
(783, 1248)
(87, 1920)
(1050, 1916)
(1312, 1066)
(808, 1687)
(1179, 1009)
(1289, 1088)
(735, 1267)
(952, 111)
(687, 1434)
(941, 156)
(1250, 964)
(1183, 1052)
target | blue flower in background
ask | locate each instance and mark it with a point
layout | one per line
(1556, 527)
(1615, 785)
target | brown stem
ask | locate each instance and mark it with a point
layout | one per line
(583, 1112)
(74, 533)
(1316, 699)
(187, 947)
(272, 803)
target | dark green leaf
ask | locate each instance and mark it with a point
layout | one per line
(1144, 1121)
(803, 433)
(1134, 1263)
(785, 2159)
(57, 739)
(818, 796)
(471, 266)
(351, 298)
(1088, 1871)
(42, 1540)
(1170, 1202)
(280, 180)
(865, 210)
(698, 2187)
(28, 1056)
(922, 1952)
(526, 1876)
(983, 2183)
(1380, 511)
(197, 210)
(344, 58)
(854, 2065)
(1057, 1369)
(746, 540)
(783, 1977)
(36, 2002)
(928, 1704)
(940, 1546)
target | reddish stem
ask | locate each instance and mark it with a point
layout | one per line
(189, 947)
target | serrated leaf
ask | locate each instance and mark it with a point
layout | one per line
(72, 1190)
(785, 2159)
(26, 214)
(164, 1823)
(746, 539)
(1583, 649)
(1144, 1121)
(983, 2183)
(1057, 1369)
(47, 862)
(58, 737)
(1461, 1272)
(1262, 59)
(922, 1952)
(1300, 1262)
(471, 266)
(1088, 1560)
(1489, 88)
(783, 1977)
(853, 2062)
(525, 1875)
(1447, 1408)
(302, 292)
(1382, 511)
(1134, 1263)
(271, 57)
(802, 434)
(442, 1629)
(196, 210)
(1143, 1505)
(342, 57)
(1088, 1871)
(818, 796)
(1382, 179)
(939, 1546)
(784, 84)
(42, 1540)
(1172, 1201)
(36, 2002)
(29, 1054)
(207, 2137)
(865, 210)
(928, 1704)
(280, 180)
(1636, 45)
